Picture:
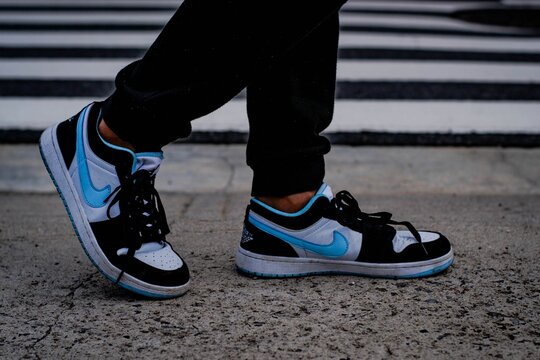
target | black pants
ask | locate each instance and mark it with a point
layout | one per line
(283, 51)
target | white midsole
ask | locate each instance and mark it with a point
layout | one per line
(52, 156)
(277, 265)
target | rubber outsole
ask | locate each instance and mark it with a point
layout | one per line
(248, 263)
(179, 291)
(434, 271)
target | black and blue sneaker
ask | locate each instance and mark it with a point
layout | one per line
(117, 214)
(331, 235)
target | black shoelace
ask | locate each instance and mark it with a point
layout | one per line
(349, 213)
(142, 213)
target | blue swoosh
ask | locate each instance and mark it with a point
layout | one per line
(94, 197)
(338, 246)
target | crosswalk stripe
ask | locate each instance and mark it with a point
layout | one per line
(421, 22)
(396, 29)
(443, 117)
(369, 21)
(160, 18)
(105, 3)
(152, 27)
(39, 52)
(86, 8)
(432, 6)
(438, 42)
(405, 67)
(61, 69)
(143, 39)
(8, 26)
(78, 17)
(435, 6)
(346, 70)
(79, 39)
(437, 71)
(359, 90)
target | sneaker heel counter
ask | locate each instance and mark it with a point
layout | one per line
(259, 242)
(66, 134)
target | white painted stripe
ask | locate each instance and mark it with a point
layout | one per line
(437, 116)
(404, 116)
(437, 42)
(62, 69)
(437, 71)
(520, 2)
(425, 22)
(422, 22)
(80, 17)
(389, 116)
(106, 39)
(102, 17)
(92, 2)
(20, 113)
(440, 6)
(120, 39)
(347, 70)
(350, 3)
(443, 6)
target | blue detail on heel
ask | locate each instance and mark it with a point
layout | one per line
(157, 154)
(299, 212)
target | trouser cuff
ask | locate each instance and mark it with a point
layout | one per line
(288, 178)
(140, 119)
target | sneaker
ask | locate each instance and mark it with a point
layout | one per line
(109, 194)
(331, 235)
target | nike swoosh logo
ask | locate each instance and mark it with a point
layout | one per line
(338, 246)
(93, 196)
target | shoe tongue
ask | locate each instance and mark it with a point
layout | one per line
(325, 190)
(149, 163)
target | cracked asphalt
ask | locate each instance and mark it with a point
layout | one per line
(54, 304)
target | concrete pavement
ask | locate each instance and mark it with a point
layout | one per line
(361, 170)
(54, 304)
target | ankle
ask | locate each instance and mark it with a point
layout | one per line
(110, 136)
(290, 203)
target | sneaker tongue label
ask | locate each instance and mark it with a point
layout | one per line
(148, 163)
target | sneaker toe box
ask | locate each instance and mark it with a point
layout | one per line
(163, 267)
(435, 244)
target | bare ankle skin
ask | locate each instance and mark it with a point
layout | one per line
(111, 137)
(291, 203)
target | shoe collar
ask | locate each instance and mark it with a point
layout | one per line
(324, 191)
(149, 161)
